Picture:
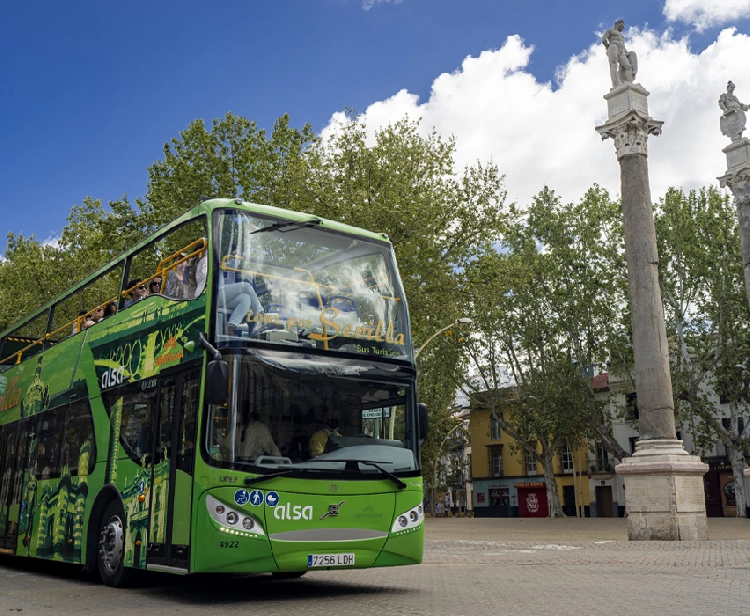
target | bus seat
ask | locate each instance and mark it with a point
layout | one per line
(282, 310)
(344, 303)
(311, 299)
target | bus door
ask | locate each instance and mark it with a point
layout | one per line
(13, 468)
(172, 472)
(7, 464)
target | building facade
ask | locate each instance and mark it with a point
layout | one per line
(507, 483)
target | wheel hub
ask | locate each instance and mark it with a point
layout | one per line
(112, 544)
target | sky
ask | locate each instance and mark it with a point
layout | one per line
(91, 91)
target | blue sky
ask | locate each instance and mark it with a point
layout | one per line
(91, 91)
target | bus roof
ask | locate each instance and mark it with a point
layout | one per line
(206, 207)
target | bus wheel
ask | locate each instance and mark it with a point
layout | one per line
(288, 575)
(111, 553)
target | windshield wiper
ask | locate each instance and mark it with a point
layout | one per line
(399, 484)
(249, 481)
(289, 225)
(389, 475)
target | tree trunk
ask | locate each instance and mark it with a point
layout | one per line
(553, 496)
(737, 460)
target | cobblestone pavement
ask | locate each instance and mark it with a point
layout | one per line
(472, 566)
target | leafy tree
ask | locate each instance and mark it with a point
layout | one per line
(34, 273)
(234, 158)
(403, 183)
(700, 267)
(548, 308)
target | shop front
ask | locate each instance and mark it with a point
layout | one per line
(532, 499)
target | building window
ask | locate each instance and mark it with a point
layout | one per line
(496, 461)
(631, 407)
(602, 458)
(530, 464)
(566, 459)
(497, 465)
(495, 428)
(633, 440)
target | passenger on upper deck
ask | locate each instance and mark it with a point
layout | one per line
(240, 298)
(139, 291)
(94, 317)
(154, 286)
(187, 278)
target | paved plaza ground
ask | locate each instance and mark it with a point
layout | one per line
(472, 566)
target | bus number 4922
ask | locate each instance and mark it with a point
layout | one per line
(113, 376)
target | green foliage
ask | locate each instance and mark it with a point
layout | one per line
(34, 273)
(234, 159)
(548, 308)
(706, 310)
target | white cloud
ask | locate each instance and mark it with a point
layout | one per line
(52, 240)
(539, 135)
(706, 13)
(368, 4)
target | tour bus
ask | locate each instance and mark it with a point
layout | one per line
(236, 393)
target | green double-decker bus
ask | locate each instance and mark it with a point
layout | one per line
(236, 393)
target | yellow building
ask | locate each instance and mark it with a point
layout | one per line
(507, 483)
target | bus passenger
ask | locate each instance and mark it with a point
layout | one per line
(187, 279)
(319, 440)
(154, 286)
(94, 317)
(251, 439)
(256, 439)
(240, 298)
(79, 324)
(110, 309)
(139, 291)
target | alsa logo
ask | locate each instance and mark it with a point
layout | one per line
(298, 512)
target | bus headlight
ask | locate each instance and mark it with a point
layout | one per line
(409, 520)
(227, 519)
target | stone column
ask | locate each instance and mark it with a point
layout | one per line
(664, 494)
(737, 178)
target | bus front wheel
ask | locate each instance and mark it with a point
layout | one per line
(111, 547)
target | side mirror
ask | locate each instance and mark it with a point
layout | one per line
(217, 375)
(422, 417)
(217, 382)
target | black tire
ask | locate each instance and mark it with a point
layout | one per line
(287, 575)
(110, 548)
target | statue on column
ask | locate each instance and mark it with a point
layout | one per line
(732, 121)
(623, 64)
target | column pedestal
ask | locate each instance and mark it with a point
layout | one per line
(664, 494)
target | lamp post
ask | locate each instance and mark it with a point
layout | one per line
(462, 320)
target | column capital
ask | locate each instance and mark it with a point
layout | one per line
(630, 131)
(738, 181)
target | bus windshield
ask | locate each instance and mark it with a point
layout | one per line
(311, 413)
(294, 283)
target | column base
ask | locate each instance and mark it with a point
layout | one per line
(664, 493)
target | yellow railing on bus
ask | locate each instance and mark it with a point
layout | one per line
(77, 323)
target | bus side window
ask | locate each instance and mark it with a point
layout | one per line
(47, 447)
(137, 425)
(7, 455)
(78, 441)
(190, 389)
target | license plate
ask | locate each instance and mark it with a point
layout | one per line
(330, 560)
